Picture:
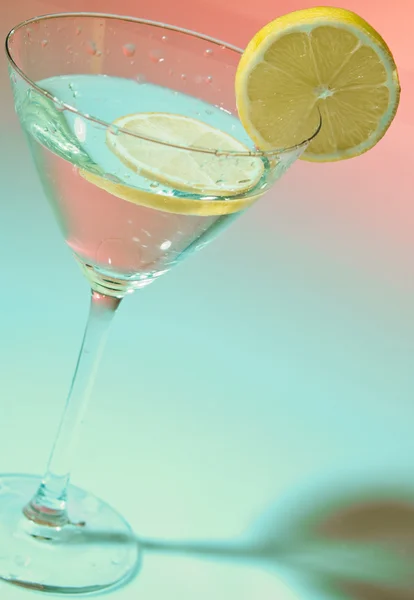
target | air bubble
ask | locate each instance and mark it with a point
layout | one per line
(44, 43)
(91, 48)
(208, 52)
(22, 561)
(164, 38)
(128, 50)
(156, 56)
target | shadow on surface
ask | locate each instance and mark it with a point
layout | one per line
(351, 544)
(347, 544)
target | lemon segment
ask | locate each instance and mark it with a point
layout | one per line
(317, 63)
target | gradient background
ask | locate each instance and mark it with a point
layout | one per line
(268, 380)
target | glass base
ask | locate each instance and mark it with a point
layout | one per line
(97, 551)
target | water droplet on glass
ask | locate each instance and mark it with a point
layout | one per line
(208, 52)
(60, 107)
(44, 43)
(74, 91)
(209, 79)
(165, 245)
(128, 50)
(113, 129)
(164, 38)
(183, 76)
(140, 79)
(91, 47)
(156, 56)
(78, 30)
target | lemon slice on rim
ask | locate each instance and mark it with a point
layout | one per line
(320, 61)
(225, 172)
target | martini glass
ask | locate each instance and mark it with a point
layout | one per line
(72, 75)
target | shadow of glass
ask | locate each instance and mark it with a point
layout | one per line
(356, 545)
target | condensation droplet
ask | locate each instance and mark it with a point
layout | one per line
(44, 43)
(156, 56)
(113, 129)
(78, 30)
(91, 48)
(128, 50)
(60, 107)
(208, 52)
(164, 38)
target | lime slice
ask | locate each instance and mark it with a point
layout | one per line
(320, 61)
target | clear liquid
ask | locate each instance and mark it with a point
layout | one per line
(120, 245)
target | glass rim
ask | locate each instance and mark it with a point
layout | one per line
(248, 154)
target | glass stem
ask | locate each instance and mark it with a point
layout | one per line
(49, 505)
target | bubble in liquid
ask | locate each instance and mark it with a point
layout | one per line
(164, 38)
(128, 50)
(208, 52)
(22, 561)
(91, 48)
(80, 129)
(156, 56)
(78, 30)
(44, 43)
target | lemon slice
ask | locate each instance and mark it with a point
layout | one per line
(320, 61)
(215, 173)
(170, 204)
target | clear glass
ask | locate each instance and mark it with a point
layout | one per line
(72, 76)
